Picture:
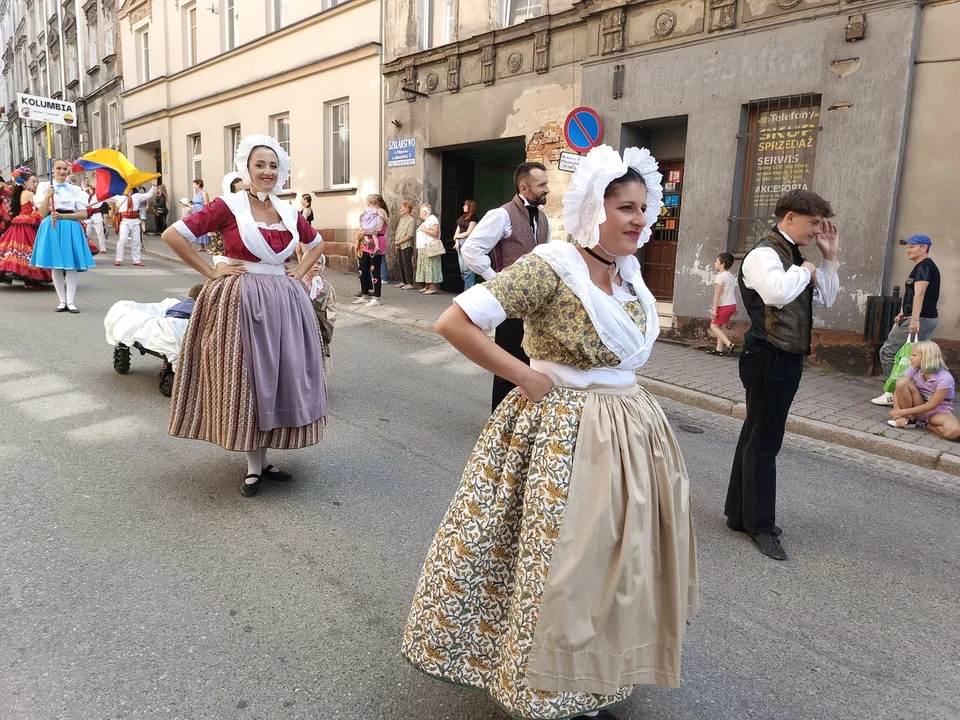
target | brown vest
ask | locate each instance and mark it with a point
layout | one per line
(788, 328)
(521, 240)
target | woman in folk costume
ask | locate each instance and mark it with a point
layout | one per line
(16, 245)
(61, 244)
(251, 366)
(565, 570)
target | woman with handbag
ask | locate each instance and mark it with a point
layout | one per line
(429, 251)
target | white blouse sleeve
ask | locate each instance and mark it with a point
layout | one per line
(483, 309)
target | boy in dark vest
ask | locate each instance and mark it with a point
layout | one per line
(779, 289)
(510, 232)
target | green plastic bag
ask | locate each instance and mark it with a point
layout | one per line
(900, 364)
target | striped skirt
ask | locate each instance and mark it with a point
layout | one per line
(213, 398)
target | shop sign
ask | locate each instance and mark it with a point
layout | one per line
(583, 129)
(402, 152)
(41, 109)
(569, 162)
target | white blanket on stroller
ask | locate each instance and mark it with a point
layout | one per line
(128, 322)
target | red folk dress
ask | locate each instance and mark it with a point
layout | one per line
(16, 247)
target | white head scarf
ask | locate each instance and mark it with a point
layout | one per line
(228, 181)
(243, 155)
(583, 211)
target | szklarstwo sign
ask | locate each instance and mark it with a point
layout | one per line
(41, 109)
(402, 152)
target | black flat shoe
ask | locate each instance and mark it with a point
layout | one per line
(62, 307)
(733, 525)
(715, 352)
(73, 309)
(769, 545)
(250, 489)
(274, 473)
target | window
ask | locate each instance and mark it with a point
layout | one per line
(281, 131)
(520, 10)
(338, 143)
(777, 149)
(190, 36)
(231, 141)
(440, 24)
(195, 149)
(110, 29)
(327, 4)
(278, 14)
(43, 79)
(93, 39)
(229, 25)
(113, 126)
(73, 63)
(96, 130)
(143, 55)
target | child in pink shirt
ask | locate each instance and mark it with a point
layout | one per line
(925, 392)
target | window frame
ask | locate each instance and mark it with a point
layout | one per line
(277, 15)
(96, 129)
(232, 135)
(191, 37)
(510, 17)
(229, 10)
(195, 156)
(113, 124)
(331, 139)
(276, 122)
(143, 55)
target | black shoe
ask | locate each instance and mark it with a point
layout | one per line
(769, 545)
(734, 525)
(62, 307)
(714, 351)
(73, 309)
(250, 489)
(274, 473)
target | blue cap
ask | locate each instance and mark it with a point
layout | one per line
(917, 240)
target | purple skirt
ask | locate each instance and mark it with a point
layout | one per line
(281, 349)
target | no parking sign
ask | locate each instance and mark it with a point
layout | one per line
(583, 129)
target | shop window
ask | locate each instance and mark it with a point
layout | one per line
(777, 150)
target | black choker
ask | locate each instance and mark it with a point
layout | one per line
(603, 260)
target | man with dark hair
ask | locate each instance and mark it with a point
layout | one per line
(918, 316)
(510, 232)
(779, 289)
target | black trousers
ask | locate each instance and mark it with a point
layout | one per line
(370, 274)
(771, 380)
(405, 256)
(161, 222)
(509, 336)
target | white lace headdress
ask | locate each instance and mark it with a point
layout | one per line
(228, 181)
(583, 211)
(246, 147)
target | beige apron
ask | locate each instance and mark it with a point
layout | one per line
(622, 582)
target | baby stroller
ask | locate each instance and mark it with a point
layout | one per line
(144, 327)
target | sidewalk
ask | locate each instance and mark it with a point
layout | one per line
(829, 406)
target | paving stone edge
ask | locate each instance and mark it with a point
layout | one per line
(865, 442)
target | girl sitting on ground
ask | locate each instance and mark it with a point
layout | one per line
(924, 394)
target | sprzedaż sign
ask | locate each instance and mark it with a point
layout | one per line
(41, 109)
(402, 152)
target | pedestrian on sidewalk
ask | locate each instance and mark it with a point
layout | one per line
(161, 209)
(129, 207)
(61, 245)
(510, 232)
(429, 269)
(306, 209)
(779, 290)
(403, 238)
(201, 198)
(465, 225)
(372, 238)
(918, 315)
(564, 572)
(250, 375)
(724, 303)
(925, 392)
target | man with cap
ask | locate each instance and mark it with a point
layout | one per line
(918, 315)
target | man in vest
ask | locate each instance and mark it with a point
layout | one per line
(510, 232)
(129, 208)
(779, 289)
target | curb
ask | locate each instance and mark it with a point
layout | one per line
(929, 458)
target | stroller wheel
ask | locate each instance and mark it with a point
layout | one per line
(166, 383)
(121, 359)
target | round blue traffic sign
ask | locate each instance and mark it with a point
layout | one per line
(583, 129)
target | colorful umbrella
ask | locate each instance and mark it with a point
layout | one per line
(115, 174)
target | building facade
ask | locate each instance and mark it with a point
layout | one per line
(739, 99)
(199, 76)
(62, 49)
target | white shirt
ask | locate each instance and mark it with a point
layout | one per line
(67, 197)
(422, 237)
(763, 271)
(494, 227)
(138, 201)
(726, 282)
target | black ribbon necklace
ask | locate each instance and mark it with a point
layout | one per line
(603, 260)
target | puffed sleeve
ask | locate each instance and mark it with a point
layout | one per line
(308, 236)
(212, 217)
(521, 291)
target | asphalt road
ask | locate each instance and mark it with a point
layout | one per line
(136, 582)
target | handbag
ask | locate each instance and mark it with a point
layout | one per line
(900, 364)
(434, 248)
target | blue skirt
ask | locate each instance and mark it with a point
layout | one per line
(63, 247)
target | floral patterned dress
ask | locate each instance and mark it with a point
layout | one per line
(564, 571)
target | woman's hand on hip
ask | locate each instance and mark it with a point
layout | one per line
(536, 387)
(222, 270)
